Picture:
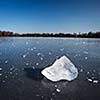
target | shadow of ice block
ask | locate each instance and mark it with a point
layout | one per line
(34, 73)
(62, 69)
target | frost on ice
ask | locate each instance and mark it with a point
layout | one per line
(62, 69)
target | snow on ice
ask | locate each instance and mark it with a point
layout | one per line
(62, 69)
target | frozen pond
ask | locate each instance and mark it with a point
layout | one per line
(22, 59)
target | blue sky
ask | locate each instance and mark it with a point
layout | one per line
(24, 16)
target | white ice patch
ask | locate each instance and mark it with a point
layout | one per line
(26, 43)
(86, 58)
(95, 81)
(81, 70)
(0, 74)
(34, 48)
(84, 42)
(37, 64)
(85, 52)
(38, 54)
(0, 68)
(27, 64)
(10, 72)
(6, 61)
(31, 49)
(50, 53)
(41, 58)
(62, 49)
(24, 56)
(90, 80)
(58, 90)
(62, 69)
(88, 72)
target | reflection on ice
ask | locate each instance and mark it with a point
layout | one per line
(63, 87)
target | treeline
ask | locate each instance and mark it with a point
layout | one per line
(80, 35)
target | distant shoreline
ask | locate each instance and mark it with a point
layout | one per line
(62, 35)
(49, 37)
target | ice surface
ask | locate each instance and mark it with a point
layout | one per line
(0, 53)
(62, 69)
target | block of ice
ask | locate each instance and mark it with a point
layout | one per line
(62, 69)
